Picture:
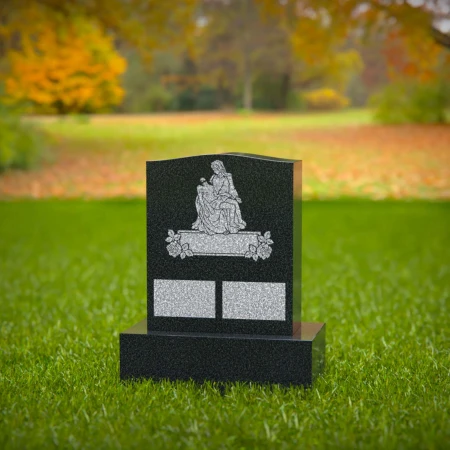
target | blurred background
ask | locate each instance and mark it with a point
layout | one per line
(358, 90)
(90, 90)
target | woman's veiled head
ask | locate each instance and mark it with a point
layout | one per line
(218, 167)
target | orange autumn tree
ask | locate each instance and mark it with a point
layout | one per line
(64, 70)
(416, 57)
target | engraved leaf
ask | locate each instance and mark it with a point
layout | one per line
(183, 255)
(269, 241)
(267, 234)
(255, 257)
(169, 239)
(261, 239)
(177, 237)
(248, 254)
(171, 233)
(252, 248)
(185, 246)
(189, 253)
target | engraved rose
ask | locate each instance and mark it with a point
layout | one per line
(263, 250)
(175, 248)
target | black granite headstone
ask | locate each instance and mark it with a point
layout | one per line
(223, 275)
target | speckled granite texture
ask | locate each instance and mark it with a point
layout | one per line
(265, 186)
(223, 287)
(286, 360)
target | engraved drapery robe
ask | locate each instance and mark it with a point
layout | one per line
(217, 208)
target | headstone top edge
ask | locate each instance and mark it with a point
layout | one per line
(263, 157)
(244, 155)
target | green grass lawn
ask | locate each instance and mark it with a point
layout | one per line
(175, 135)
(72, 276)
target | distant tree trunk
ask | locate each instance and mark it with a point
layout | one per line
(223, 97)
(284, 90)
(248, 82)
(219, 94)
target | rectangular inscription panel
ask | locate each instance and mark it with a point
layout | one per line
(254, 301)
(184, 298)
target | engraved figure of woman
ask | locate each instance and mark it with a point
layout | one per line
(217, 204)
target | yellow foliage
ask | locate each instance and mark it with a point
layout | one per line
(143, 24)
(316, 31)
(416, 56)
(325, 99)
(67, 69)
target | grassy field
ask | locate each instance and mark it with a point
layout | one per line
(72, 276)
(344, 154)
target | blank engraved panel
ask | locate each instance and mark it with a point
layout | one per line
(254, 301)
(184, 298)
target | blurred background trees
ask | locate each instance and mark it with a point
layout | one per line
(61, 71)
(143, 56)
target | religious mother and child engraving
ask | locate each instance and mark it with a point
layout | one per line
(224, 275)
(219, 215)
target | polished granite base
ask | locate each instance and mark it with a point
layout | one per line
(286, 360)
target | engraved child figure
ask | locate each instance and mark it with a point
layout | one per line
(206, 189)
(217, 204)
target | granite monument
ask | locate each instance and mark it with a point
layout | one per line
(224, 275)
